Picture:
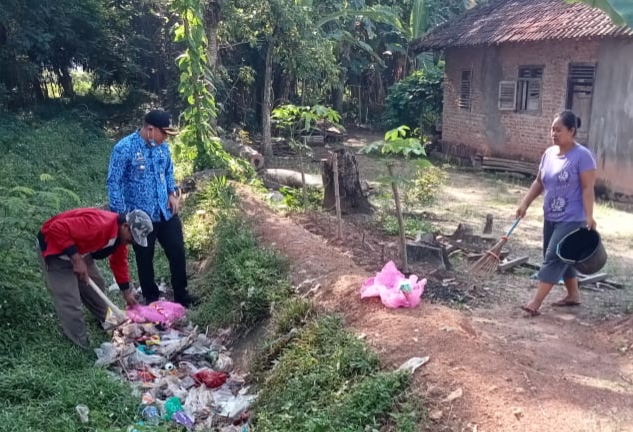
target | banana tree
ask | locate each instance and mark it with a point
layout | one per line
(620, 11)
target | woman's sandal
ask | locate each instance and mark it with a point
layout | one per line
(531, 311)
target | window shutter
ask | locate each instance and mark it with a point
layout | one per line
(507, 95)
(465, 93)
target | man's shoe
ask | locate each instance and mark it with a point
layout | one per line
(187, 300)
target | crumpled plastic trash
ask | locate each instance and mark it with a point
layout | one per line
(83, 411)
(210, 378)
(393, 288)
(172, 406)
(163, 312)
(230, 405)
(106, 354)
(224, 363)
(199, 402)
(413, 363)
(140, 358)
(181, 418)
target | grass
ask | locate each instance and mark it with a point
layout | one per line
(47, 166)
(245, 278)
(325, 379)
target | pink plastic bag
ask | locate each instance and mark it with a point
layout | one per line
(393, 288)
(163, 312)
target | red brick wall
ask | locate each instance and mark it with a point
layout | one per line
(506, 133)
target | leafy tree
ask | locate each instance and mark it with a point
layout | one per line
(620, 11)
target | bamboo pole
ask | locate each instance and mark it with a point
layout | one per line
(337, 196)
(303, 175)
(403, 238)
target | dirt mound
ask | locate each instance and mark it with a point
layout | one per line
(491, 369)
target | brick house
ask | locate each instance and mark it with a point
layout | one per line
(511, 65)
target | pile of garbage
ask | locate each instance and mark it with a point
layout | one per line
(182, 376)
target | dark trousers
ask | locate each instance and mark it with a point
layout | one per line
(169, 235)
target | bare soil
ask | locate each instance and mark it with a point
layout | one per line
(570, 369)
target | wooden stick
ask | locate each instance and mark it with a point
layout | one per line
(303, 176)
(337, 195)
(115, 310)
(403, 238)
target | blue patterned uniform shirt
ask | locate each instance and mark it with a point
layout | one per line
(141, 177)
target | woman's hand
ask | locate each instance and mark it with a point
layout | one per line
(591, 223)
(521, 211)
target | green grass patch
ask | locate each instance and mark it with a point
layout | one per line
(245, 278)
(325, 379)
(47, 166)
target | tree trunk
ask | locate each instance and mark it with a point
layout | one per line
(212, 16)
(267, 103)
(66, 81)
(353, 200)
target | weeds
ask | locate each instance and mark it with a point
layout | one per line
(327, 380)
(245, 278)
(412, 226)
(58, 164)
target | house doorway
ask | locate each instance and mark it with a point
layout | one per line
(580, 82)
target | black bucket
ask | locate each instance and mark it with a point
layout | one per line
(583, 249)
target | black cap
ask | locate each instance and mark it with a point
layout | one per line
(161, 120)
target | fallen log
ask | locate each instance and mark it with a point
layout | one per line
(274, 178)
(246, 152)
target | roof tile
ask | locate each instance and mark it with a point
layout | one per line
(504, 21)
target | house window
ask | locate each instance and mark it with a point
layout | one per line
(529, 89)
(465, 93)
(507, 99)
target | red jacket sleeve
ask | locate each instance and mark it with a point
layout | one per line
(120, 268)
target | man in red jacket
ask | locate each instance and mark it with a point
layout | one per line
(69, 244)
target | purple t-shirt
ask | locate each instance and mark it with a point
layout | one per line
(561, 180)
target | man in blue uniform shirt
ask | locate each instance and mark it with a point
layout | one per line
(141, 176)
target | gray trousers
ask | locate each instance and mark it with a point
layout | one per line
(69, 293)
(553, 268)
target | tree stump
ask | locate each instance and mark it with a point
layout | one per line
(489, 222)
(353, 200)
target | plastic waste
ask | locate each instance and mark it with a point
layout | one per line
(163, 312)
(230, 405)
(148, 399)
(151, 415)
(106, 354)
(172, 406)
(393, 288)
(83, 412)
(199, 402)
(181, 418)
(210, 378)
(224, 364)
(413, 363)
(140, 358)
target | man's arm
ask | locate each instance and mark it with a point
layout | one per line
(116, 173)
(119, 267)
(169, 174)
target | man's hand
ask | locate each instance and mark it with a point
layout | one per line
(173, 203)
(521, 211)
(79, 267)
(128, 295)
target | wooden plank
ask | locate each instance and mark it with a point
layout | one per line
(513, 263)
(600, 277)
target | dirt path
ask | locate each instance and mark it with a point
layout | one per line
(554, 373)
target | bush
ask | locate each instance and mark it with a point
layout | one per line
(416, 101)
(426, 186)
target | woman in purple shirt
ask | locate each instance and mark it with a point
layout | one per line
(567, 175)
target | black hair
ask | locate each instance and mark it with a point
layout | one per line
(570, 120)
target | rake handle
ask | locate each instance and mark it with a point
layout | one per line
(514, 225)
